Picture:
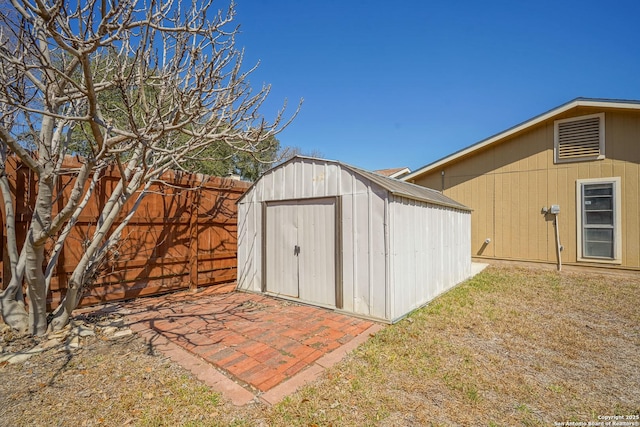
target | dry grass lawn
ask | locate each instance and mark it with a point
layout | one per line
(509, 347)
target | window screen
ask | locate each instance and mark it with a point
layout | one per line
(598, 220)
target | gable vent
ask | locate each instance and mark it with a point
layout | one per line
(580, 139)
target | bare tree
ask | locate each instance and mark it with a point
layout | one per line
(142, 85)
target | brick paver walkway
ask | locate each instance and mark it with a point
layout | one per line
(257, 340)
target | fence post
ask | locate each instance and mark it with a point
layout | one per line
(193, 241)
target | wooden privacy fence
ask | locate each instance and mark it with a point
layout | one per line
(183, 235)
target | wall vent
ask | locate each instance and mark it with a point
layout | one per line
(580, 138)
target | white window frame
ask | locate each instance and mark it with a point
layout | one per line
(556, 137)
(617, 220)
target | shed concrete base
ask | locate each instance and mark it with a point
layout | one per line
(477, 267)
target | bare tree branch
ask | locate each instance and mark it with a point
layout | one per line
(141, 85)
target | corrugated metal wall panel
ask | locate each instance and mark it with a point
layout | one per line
(428, 249)
(360, 256)
(279, 184)
(256, 194)
(347, 182)
(377, 259)
(390, 259)
(363, 248)
(249, 247)
(246, 241)
(403, 252)
(300, 180)
(348, 241)
(333, 180)
(423, 228)
(412, 238)
(318, 180)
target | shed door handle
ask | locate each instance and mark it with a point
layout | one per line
(296, 250)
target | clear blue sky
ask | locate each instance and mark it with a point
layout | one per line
(389, 84)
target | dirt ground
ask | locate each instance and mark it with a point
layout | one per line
(105, 381)
(512, 346)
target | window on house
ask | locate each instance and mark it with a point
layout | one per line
(579, 138)
(599, 235)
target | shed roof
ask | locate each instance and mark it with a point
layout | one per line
(496, 139)
(393, 185)
(393, 172)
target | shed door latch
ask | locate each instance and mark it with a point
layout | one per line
(296, 250)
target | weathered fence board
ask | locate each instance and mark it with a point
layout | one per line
(183, 235)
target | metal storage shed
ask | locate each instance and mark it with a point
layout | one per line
(329, 234)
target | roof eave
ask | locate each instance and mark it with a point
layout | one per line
(432, 202)
(578, 102)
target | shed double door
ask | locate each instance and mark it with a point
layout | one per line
(301, 250)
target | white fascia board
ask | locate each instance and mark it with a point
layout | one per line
(522, 126)
(400, 173)
(607, 104)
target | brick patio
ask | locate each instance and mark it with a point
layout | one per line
(265, 345)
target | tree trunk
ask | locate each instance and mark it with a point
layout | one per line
(12, 306)
(71, 299)
(97, 250)
(14, 313)
(36, 289)
(35, 256)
